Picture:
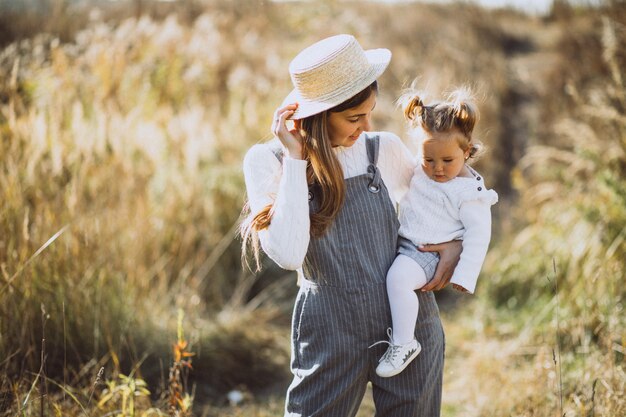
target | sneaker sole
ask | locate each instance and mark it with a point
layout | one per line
(400, 369)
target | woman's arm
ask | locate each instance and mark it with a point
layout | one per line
(284, 186)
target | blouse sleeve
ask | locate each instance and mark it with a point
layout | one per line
(286, 240)
(476, 218)
(396, 164)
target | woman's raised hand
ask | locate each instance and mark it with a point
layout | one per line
(291, 139)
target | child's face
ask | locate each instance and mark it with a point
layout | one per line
(442, 158)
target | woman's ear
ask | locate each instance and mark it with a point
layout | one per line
(297, 123)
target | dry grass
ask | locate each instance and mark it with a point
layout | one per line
(121, 185)
(561, 346)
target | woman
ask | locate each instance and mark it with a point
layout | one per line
(322, 200)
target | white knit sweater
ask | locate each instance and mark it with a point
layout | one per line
(434, 212)
(286, 240)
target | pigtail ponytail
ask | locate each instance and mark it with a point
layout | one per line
(414, 107)
(476, 149)
(465, 111)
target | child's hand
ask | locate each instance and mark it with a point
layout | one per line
(459, 288)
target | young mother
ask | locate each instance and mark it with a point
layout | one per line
(322, 198)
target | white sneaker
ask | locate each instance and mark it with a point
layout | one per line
(397, 358)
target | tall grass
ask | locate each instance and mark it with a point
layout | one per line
(121, 183)
(572, 188)
(121, 187)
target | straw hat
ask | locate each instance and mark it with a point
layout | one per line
(330, 72)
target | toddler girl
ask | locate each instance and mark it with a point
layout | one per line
(447, 200)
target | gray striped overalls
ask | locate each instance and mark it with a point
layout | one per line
(342, 308)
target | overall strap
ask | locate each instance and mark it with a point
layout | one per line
(372, 145)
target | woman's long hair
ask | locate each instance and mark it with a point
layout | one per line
(323, 170)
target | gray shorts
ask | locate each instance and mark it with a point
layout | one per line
(427, 260)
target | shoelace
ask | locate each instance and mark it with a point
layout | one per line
(389, 352)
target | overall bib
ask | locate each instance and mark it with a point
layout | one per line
(342, 308)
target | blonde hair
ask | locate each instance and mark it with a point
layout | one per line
(457, 113)
(323, 169)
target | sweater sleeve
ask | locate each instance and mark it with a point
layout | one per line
(476, 218)
(396, 164)
(286, 240)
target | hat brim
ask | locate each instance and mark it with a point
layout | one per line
(378, 59)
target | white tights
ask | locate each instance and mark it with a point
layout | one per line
(404, 277)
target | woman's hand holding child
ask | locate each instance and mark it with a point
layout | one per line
(449, 254)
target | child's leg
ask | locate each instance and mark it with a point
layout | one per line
(403, 278)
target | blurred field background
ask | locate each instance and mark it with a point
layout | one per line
(122, 131)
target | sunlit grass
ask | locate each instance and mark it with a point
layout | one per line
(561, 278)
(121, 188)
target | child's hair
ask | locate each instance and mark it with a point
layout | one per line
(459, 112)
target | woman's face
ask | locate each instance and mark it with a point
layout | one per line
(346, 126)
